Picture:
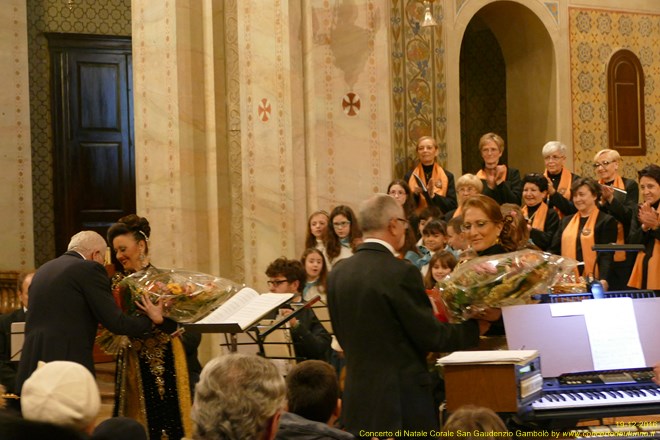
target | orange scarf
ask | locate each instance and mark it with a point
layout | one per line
(652, 268)
(437, 174)
(618, 256)
(564, 187)
(482, 174)
(457, 212)
(569, 242)
(538, 222)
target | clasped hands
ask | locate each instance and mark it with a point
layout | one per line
(495, 176)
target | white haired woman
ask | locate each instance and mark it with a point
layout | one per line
(560, 179)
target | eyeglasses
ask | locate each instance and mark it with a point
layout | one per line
(341, 224)
(479, 224)
(397, 193)
(554, 158)
(603, 163)
(276, 283)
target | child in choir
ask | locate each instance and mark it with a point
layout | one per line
(435, 240)
(316, 270)
(421, 256)
(456, 241)
(317, 228)
(442, 264)
(344, 234)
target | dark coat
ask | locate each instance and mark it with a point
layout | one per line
(8, 367)
(509, 191)
(384, 321)
(68, 298)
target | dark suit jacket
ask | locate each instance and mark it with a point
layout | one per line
(8, 367)
(383, 320)
(564, 205)
(68, 298)
(624, 206)
(509, 191)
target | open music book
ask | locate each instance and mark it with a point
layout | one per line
(245, 308)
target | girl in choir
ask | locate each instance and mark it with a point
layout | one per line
(441, 265)
(317, 228)
(578, 233)
(513, 214)
(317, 272)
(645, 229)
(542, 221)
(344, 234)
(400, 191)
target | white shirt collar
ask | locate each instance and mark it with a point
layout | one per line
(383, 242)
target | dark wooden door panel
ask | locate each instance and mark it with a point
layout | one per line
(93, 156)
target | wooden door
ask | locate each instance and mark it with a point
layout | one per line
(93, 155)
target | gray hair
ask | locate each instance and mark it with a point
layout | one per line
(236, 397)
(470, 180)
(554, 147)
(377, 211)
(87, 242)
(613, 154)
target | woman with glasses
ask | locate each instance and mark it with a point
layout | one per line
(484, 226)
(399, 190)
(619, 199)
(541, 220)
(500, 182)
(645, 229)
(578, 233)
(429, 182)
(344, 235)
(559, 178)
(466, 186)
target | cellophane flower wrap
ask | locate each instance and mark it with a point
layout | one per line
(500, 280)
(186, 296)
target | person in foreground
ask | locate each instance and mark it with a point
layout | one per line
(313, 403)
(238, 397)
(69, 297)
(384, 321)
(471, 422)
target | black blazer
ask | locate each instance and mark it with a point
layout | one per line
(624, 206)
(605, 233)
(445, 203)
(68, 298)
(564, 205)
(543, 238)
(7, 366)
(509, 191)
(384, 321)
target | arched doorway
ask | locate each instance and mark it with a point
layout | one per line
(508, 85)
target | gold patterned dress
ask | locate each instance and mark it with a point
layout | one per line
(151, 383)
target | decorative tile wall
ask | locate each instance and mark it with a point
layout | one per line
(108, 17)
(595, 35)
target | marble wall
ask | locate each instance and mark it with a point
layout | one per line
(16, 236)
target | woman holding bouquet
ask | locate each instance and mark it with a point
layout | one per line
(152, 383)
(485, 228)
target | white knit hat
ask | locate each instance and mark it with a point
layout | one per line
(63, 393)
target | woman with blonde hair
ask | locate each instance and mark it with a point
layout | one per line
(502, 183)
(466, 186)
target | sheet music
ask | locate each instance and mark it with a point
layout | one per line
(420, 182)
(613, 335)
(489, 357)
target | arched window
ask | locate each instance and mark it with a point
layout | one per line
(625, 100)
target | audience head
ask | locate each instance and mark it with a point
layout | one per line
(468, 185)
(435, 235)
(23, 284)
(400, 190)
(585, 192)
(427, 150)
(238, 396)
(606, 164)
(63, 393)
(441, 264)
(382, 217)
(119, 428)
(476, 422)
(483, 224)
(129, 238)
(90, 245)
(535, 189)
(314, 263)
(286, 276)
(649, 183)
(317, 228)
(313, 391)
(491, 147)
(554, 155)
(455, 236)
(519, 231)
(427, 214)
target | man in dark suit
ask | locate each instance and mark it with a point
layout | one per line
(69, 297)
(384, 321)
(8, 366)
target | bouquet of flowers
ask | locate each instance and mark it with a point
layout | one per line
(186, 296)
(500, 280)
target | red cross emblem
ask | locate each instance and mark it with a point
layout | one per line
(264, 110)
(351, 104)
